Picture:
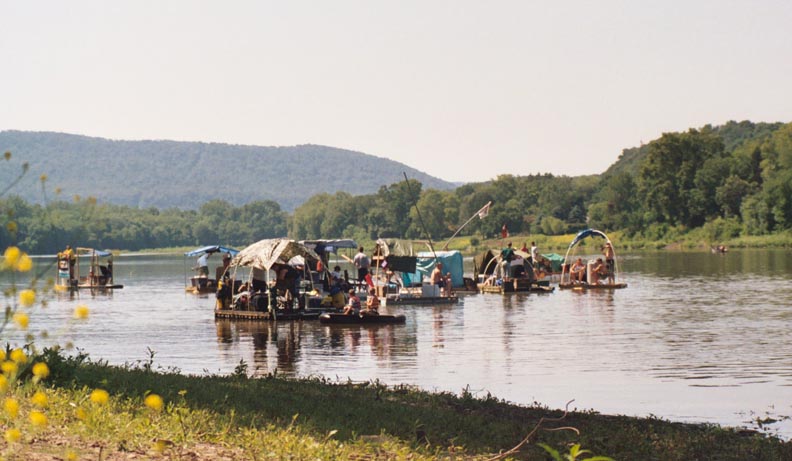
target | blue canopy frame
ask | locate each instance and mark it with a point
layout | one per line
(212, 249)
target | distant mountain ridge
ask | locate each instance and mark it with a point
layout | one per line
(165, 174)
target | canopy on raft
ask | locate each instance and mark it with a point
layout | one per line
(266, 253)
(329, 246)
(588, 233)
(93, 252)
(211, 249)
(556, 260)
(452, 262)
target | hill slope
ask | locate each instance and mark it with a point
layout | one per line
(167, 174)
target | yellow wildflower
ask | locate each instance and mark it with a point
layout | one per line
(18, 356)
(11, 407)
(11, 256)
(39, 399)
(154, 402)
(81, 312)
(2, 354)
(21, 320)
(24, 263)
(13, 435)
(80, 414)
(40, 370)
(99, 396)
(71, 456)
(7, 155)
(38, 418)
(27, 298)
(43, 178)
(9, 368)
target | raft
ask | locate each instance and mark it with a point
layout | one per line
(268, 316)
(401, 300)
(342, 319)
(518, 286)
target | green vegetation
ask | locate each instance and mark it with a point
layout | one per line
(719, 185)
(273, 418)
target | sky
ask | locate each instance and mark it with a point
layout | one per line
(462, 90)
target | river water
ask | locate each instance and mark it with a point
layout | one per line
(696, 337)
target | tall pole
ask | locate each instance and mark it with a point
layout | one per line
(420, 219)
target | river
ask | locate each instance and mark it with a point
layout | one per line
(696, 337)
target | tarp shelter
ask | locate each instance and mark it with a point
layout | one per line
(266, 253)
(452, 262)
(556, 260)
(211, 249)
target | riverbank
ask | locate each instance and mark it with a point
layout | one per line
(236, 417)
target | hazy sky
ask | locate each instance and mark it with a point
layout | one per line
(463, 90)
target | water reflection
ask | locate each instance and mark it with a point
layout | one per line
(278, 347)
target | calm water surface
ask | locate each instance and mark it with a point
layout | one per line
(696, 337)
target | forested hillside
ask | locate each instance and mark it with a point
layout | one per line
(167, 174)
(727, 181)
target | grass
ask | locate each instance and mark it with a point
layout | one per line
(236, 417)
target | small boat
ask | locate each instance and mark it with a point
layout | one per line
(98, 272)
(343, 319)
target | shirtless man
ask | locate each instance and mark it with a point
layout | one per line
(610, 263)
(437, 278)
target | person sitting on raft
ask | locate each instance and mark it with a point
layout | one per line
(353, 305)
(372, 303)
(577, 271)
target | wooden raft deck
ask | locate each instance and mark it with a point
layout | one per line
(586, 286)
(257, 315)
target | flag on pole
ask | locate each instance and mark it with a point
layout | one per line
(482, 213)
(504, 231)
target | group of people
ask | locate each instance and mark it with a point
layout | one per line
(353, 306)
(598, 271)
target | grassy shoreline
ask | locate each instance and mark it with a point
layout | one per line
(236, 417)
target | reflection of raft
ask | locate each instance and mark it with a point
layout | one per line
(592, 286)
(361, 319)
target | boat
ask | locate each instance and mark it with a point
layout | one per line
(343, 319)
(592, 281)
(204, 284)
(75, 274)
(270, 280)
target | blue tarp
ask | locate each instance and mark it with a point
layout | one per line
(212, 249)
(92, 251)
(587, 233)
(452, 262)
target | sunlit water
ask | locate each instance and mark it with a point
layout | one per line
(695, 337)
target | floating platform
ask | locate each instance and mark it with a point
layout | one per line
(268, 316)
(518, 286)
(591, 286)
(419, 300)
(87, 287)
(342, 319)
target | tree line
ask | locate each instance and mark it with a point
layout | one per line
(732, 180)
